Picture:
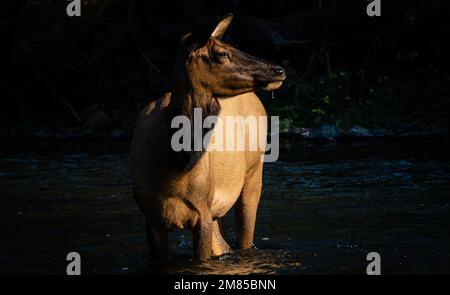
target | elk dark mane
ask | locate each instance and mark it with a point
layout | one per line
(185, 98)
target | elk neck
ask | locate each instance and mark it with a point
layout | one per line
(186, 96)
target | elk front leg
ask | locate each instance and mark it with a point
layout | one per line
(158, 241)
(202, 237)
(219, 244)
(245, 209)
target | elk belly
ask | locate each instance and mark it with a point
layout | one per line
(222, 202)
(229, 175)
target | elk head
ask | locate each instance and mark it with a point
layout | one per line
(220, 69)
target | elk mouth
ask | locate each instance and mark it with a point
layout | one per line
(269, 85)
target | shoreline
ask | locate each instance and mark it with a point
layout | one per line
(119, 144)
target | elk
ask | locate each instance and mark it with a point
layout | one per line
(195, 189)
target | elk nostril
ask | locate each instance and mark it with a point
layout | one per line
(279, 71)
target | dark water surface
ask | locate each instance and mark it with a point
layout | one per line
(323, 208)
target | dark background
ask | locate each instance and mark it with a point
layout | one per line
(88, 76)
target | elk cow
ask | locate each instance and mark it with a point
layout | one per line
(195, 189)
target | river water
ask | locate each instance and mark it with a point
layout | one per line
(323, 208)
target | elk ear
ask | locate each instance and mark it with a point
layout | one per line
(222, 26)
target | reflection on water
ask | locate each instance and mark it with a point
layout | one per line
(324, 207)
(256, 261)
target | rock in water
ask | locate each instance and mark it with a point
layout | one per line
(325, 131)
(358, 131)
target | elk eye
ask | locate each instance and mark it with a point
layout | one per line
(221, 54)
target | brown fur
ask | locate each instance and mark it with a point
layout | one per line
(194, 190)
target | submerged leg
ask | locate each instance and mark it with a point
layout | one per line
(219, 244)
(246, 207)
(158, 241)
(202, 237)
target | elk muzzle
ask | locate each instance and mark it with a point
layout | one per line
(271, 79)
